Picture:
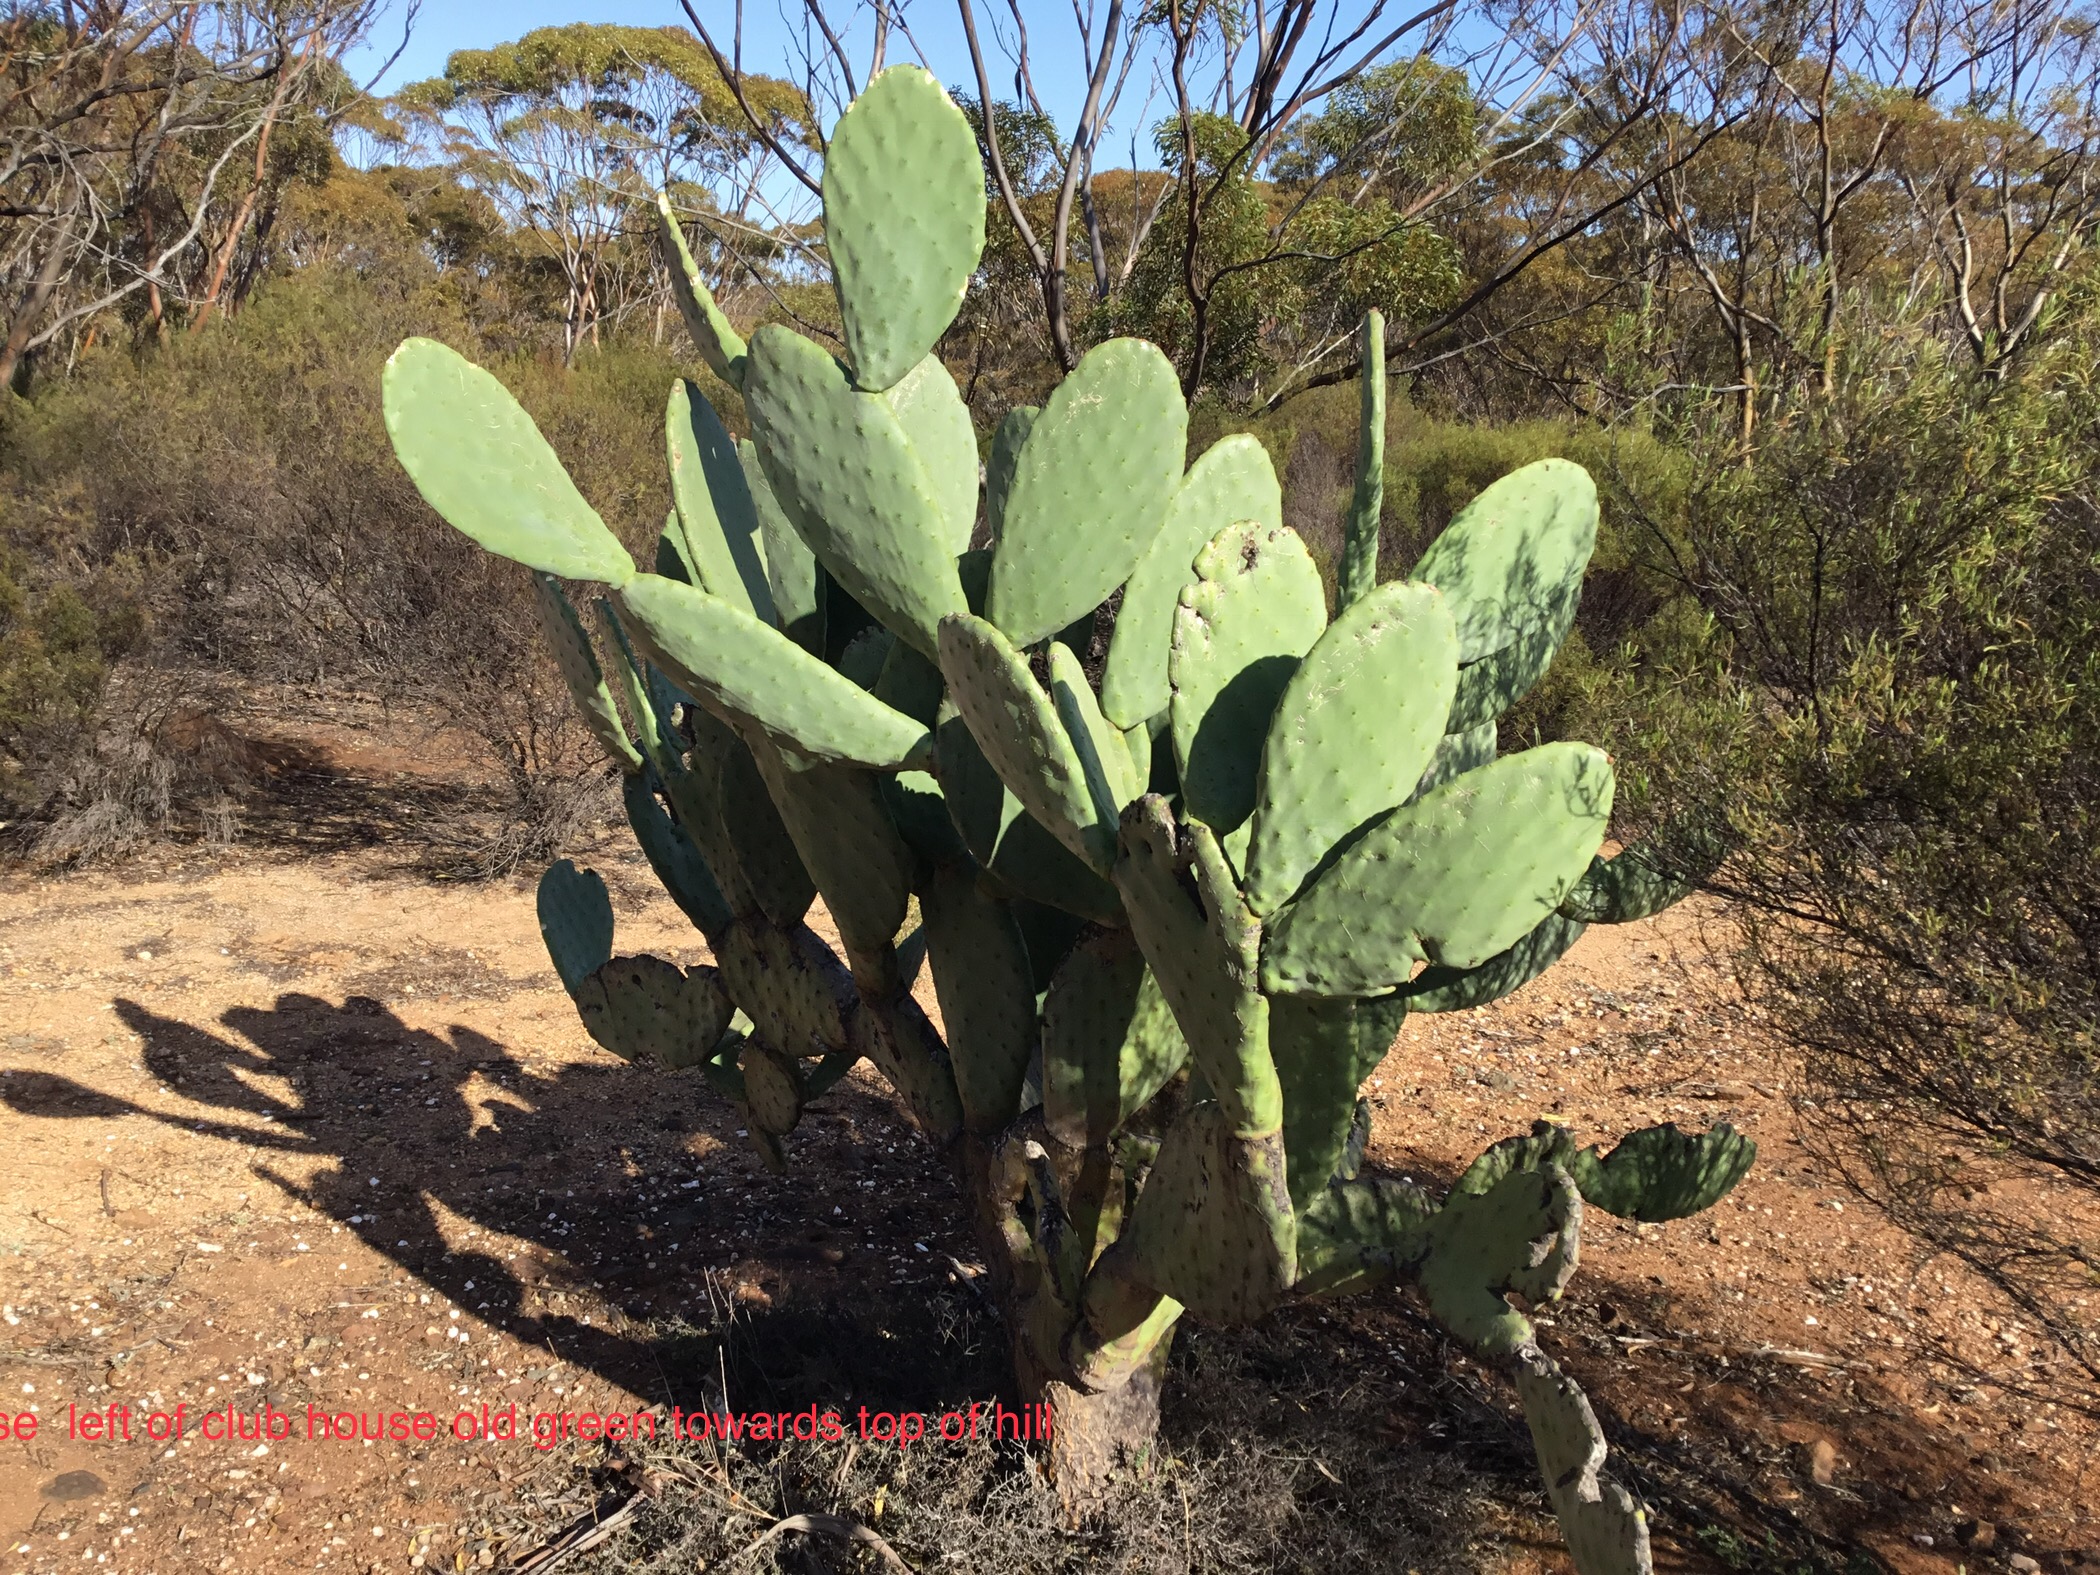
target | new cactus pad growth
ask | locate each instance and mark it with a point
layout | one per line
(1173, 922)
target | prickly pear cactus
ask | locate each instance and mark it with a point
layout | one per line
(1175, 917)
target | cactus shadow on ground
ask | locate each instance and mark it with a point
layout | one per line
(564, 1175)
(1341, 1438)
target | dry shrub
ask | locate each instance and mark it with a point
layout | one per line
(1280, 1450)
(246, 473)
(160, 762)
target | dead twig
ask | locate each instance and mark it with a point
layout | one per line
(585, 1534)
(832, 1526)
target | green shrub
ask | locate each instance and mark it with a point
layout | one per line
(1883, 671)
(239, 482)
(57, 643)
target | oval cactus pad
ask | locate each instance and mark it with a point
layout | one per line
(1232, 481)
(1514, 557)
(751, 669)
(1255, 608)
(847, 477)
(1090, 489)
(1455, 877)
(903, 218)
(479, 460)
(1357, 723)
(936, 423)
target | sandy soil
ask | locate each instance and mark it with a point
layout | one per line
(284, 1133)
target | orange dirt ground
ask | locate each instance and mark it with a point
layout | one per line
(287, 1131)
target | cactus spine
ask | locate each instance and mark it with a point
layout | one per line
(1172, 926)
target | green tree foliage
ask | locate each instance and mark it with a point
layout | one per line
(570, 132)
(142, 148)
(1880, 670)
(1286, 267)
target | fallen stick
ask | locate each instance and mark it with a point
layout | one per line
(833, 1526)
(585, 1534)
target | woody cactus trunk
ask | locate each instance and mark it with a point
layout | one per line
(1174, 919)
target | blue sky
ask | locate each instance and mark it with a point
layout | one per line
(770, 31)
(445, 25)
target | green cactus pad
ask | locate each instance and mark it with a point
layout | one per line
(846, 476)
(909, 683)
(646, 1009)
(1213, 1226)
(678, 1055)
(1513, 558)
(579, 668)
(792, 573)
(576, 922)
(1354, 1236)
(827, 1073)
(1490, 686)
(674, 559)
(1051, 933)
(1357, 723)
(1090, 490)
(999, 464)
(749, 669)
(1517, 1235)
(650, 699)
(847, 841)
(1018, 729)
(1109, 1040)
(1203, 959)
(1455, 877)
(981, 975)
(974, 569)
(719, 1066)
(1547, 1143)
(772, 1088)
(1231, 482)
(1456, 754)
(714, 505)
(718, 343)
(1660, 1173)
(1138, 742)
(1356, 575)
(919, 810)
(1461, 989)
(903, 220)
(696, 798)
(1014, 848)
(897, 1037)
(1605, 1530)
(479, 460)
(799, 996)
(1637, 883)
(930, 408)
(768, 1149)
(765, 850)
(1111, 777)
(672, 855)
(1255, 608)
(1323, 1051)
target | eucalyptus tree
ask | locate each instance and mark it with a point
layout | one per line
(572, 130)
(116, 114)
